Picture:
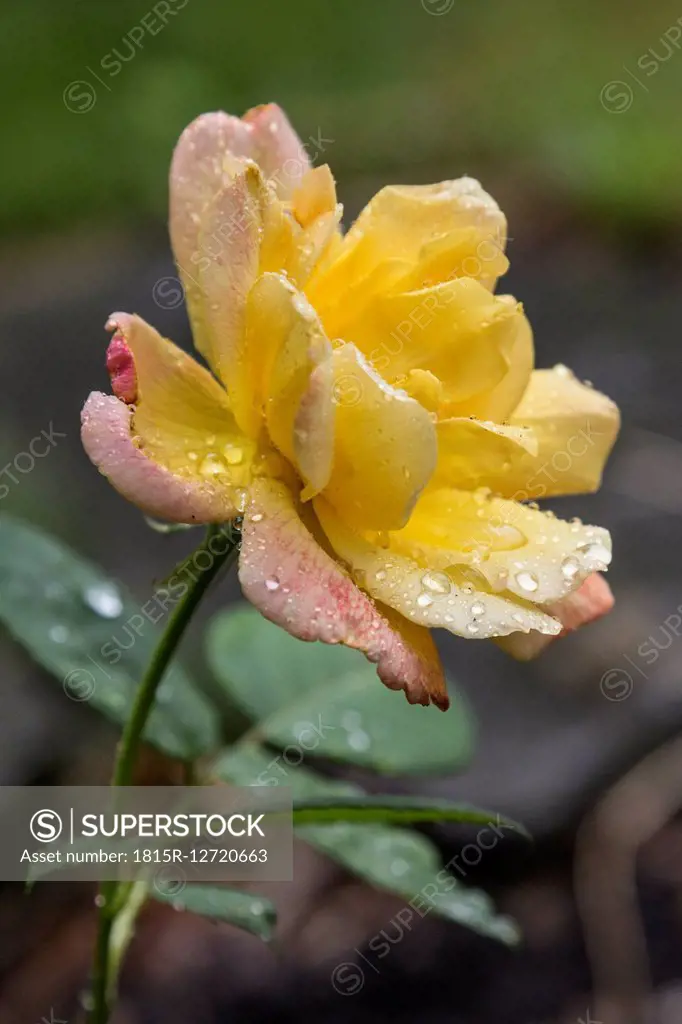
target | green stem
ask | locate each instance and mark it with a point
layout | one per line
(109, 903)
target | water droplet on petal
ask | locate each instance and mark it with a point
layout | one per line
(570, 567)
(477, 608)
(472, 627)
(424, 600)
(437, 582)
(233, 454)
(595, 551)
(527, 581)
(272, 583)
(211, 465)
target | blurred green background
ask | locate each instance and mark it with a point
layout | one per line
(402, 86)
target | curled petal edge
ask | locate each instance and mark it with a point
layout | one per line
(589, 602)
(106, 436)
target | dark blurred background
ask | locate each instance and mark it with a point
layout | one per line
(569, 114)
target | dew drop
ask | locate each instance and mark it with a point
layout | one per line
(240, 498)
(380, 575)
(570, 567)
(595, 551)
(424, 600)
(437, 582)
(211, 465)
(472, 627)
(477, 608)
(272, 583)
(104, 599)
(350, 720)
(233, 455)
(527, 581)
(359, 740)
(100, 900)
(399, 867)
(257, 518)
(58, 634)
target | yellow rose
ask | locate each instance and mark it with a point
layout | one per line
(373, 415)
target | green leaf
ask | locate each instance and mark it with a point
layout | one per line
(95, 639)
(396, 810)
(252, 913)
(328, 700)
(395, 859)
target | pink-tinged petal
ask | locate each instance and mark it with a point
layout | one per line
(590, 602)
(182, 418)
(121, 369)
(107, 439)
(216, 222)
(229, 241)
(210, 154)
(296, 584)
(276, 148)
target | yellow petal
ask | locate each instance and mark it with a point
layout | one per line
(223, 240)
(173, 448)
(315, 195)
(175, 497)
(464, 252)
(287, 346)
(456, 599)
(586, 604)
(206, 160)
(229, 243)
(182, 416)
(423, 386)
(385, 447)
(514, 547)
(401, 220)
(457, 331)
(295, 583)
(498, 403)
(475, 453)
(575, 427)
